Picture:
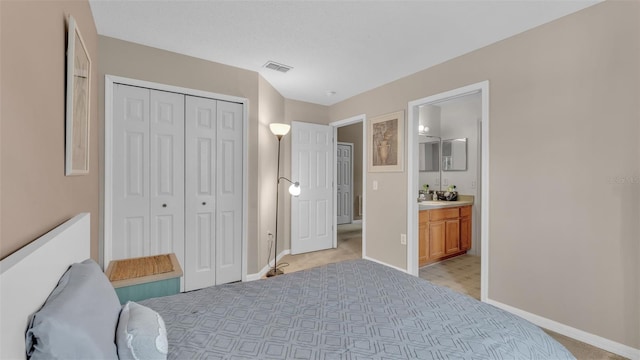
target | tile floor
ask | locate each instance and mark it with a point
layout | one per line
(461, 273)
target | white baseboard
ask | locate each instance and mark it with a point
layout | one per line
(385, 264)
(591, 339)
(259, 275)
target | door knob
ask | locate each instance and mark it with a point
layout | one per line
(164, 205)
(204, 203)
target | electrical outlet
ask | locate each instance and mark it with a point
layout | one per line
(445, 181)
(375, 185)
(403, 239)
(473, 184)
(269, 235)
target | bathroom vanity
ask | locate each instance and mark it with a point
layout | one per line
(444, 230)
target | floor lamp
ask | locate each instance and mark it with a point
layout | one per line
(280, 130)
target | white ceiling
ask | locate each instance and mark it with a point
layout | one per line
(345, 47)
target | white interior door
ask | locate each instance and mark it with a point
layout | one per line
(166, 173)
(312, 165)
(130, 172)
(344, 186)
(229, 193)
(148, 187)
(213, 211)
(200, 191)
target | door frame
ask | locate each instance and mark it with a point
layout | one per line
(337, 124)
(351, 177)
(106, 183)
(412, 179)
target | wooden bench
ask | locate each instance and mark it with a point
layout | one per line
(145, 277)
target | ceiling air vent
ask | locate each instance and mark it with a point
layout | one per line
(277, 67)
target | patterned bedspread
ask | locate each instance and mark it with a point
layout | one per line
(349, 310)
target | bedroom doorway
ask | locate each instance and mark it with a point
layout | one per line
(349, 239)
(470, 104)
(349, 209)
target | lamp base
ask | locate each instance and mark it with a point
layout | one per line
(274, 272)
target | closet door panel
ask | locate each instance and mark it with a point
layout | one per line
(200, 192)
(130, 172)
(229, 193)
(166, 173)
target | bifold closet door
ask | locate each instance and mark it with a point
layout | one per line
(213, 192)
(229, 193)
(148, 173)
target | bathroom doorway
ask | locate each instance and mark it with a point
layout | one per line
(461, 114)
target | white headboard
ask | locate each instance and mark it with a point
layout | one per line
(28, 276)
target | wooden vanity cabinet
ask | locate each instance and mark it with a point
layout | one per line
(423, 235)
(465, 228)
(443, 233)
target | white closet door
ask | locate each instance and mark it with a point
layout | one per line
(130, 172)
(229, 193)
(200, 192)
(148, 173)
(167, 174)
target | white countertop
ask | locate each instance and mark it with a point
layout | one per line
(463, 200)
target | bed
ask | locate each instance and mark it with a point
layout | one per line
(349, 310)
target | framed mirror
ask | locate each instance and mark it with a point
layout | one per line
(429, 156)
(454, 154)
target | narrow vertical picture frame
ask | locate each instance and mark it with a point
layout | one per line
(78, 83)
(386, 143)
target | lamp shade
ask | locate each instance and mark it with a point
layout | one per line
(294, 189)
(279, 129)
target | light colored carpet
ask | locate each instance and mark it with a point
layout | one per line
(461, 273)
(349, 247)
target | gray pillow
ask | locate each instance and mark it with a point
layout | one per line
(141, 334)
(79, 318)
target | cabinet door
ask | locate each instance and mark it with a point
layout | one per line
(452, 236)
(423, 243)
(436, 240)
(465, 233)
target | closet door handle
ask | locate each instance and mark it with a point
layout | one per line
(164, 205)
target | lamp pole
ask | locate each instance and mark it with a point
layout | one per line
(275, 271)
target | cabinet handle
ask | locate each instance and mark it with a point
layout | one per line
(164, 205)
(204, 203)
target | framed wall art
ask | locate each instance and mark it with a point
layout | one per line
(78, 84)
(386, 143)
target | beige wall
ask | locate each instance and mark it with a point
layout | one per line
(135, 61)
(564, 167)
(35, 195)
(353, 134)
(271, 105)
